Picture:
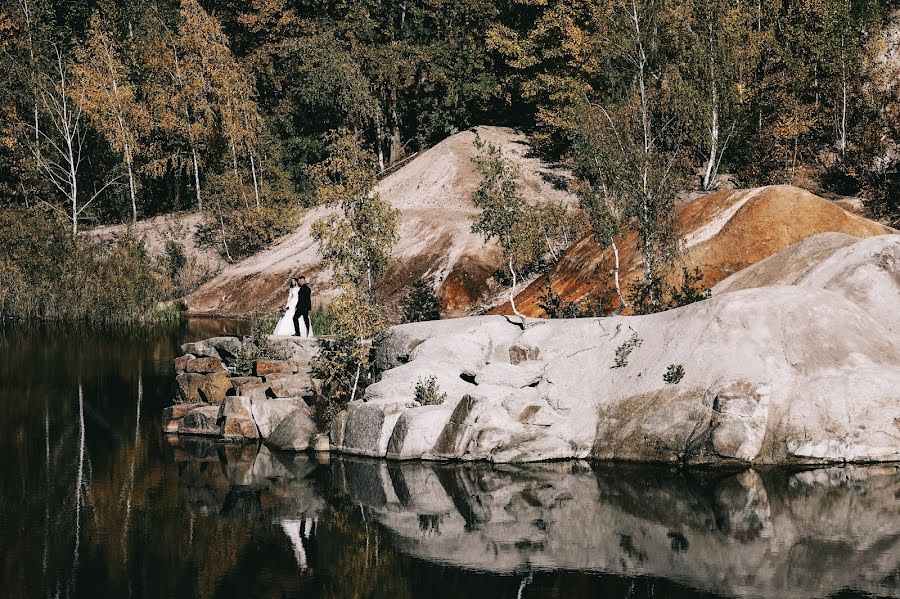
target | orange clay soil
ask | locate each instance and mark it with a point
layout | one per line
(723, 233)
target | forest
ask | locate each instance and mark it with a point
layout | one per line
(114, 112)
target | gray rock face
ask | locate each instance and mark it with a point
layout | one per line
(269, 413)
(290, 385)
(295, 432)
(204, 365)
(807, 373)
(235, 420)
(200, 421)
(200, 349)
(228, 348)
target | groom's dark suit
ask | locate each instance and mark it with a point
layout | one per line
(304, 305)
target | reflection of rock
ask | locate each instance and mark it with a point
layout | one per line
(244, 480)
(773, 534)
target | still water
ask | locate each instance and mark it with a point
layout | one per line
(95, 502)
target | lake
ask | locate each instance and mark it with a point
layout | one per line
(96, 502)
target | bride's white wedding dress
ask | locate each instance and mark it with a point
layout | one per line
(285, 325)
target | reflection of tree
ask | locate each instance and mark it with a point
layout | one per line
(352, 560)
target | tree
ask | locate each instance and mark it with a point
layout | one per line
(356, 242)
(637, 171)
(110, 100)
(58, 151)
(421, 303)
(505, 215)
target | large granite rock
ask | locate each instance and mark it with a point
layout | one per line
(172, 415)
(236, 421)
(807, 373)
(208, 388)
(200, 421)
(295, 432)
(269, 413)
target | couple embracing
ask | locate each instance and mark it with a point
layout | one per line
(296, 314)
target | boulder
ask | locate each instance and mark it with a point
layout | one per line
(321, 442)
(174, 413)
(807, 373)
(200, 349)
(265, 367)
(203, 365)
(290, 385)
(249, 386)
(295, 432)
(228, 348)
(181, 362)
(208, 388)
(269, 413)
(236, 420)
(369, 426)
(237, 382)
(200, 421)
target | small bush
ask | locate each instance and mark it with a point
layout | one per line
(421, 303)
(428, 393)
(624, 350)
(667, 296)
(47, 273)
(673, 375)
(256, 344)
(556, 307)
(322, 319)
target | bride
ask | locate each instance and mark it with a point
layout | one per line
(285, 325)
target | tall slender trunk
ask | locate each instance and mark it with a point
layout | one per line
(379, 147)
(197, 178)
(622, 303)
(131, 188)
(709, 176)
(842, 142)
(237, 173)
(253, 171)
(512, 293)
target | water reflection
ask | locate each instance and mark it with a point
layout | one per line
(769, 534)
(96, 502)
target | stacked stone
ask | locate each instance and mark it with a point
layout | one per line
(272, 405)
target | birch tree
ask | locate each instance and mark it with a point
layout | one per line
(505, 215)
(637, 171)
(58, 151)
(109, 99)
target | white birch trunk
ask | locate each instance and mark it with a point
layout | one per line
(255, 183)
(197, 178)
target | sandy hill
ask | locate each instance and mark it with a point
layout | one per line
(724, 232)
(433, 193)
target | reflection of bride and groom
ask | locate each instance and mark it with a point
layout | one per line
(295, 320)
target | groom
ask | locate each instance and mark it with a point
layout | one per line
(304, 305)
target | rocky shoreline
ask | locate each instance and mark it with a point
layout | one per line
(805, 373)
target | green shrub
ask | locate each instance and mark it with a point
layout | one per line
(428, 393)
(322, 319)
(47, 273)
(673, 375)
(667, 296)
(624, 351)
(256, 344)
(556, 307)
(421, 303)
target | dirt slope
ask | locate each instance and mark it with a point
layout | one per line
(433, 193)
(723, 232)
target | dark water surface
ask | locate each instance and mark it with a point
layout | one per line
(95, 502)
